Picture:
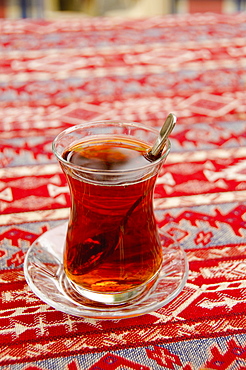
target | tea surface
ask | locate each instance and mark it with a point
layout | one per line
(114, 154)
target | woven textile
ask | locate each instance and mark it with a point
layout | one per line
(54, 74)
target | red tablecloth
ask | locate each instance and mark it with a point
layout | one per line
(53, 74)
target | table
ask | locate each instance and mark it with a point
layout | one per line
(56, 73)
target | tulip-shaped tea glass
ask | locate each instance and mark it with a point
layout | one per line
(113, 249)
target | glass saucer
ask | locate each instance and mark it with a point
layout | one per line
(44, 274)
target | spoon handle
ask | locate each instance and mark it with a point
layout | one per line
(165, 131)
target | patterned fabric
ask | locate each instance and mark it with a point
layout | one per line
(53, 74)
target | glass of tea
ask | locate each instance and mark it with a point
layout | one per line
(113, 251)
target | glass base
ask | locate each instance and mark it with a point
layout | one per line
(109, 298)
(44, 274)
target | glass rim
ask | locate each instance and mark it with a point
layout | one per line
(86, 124)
